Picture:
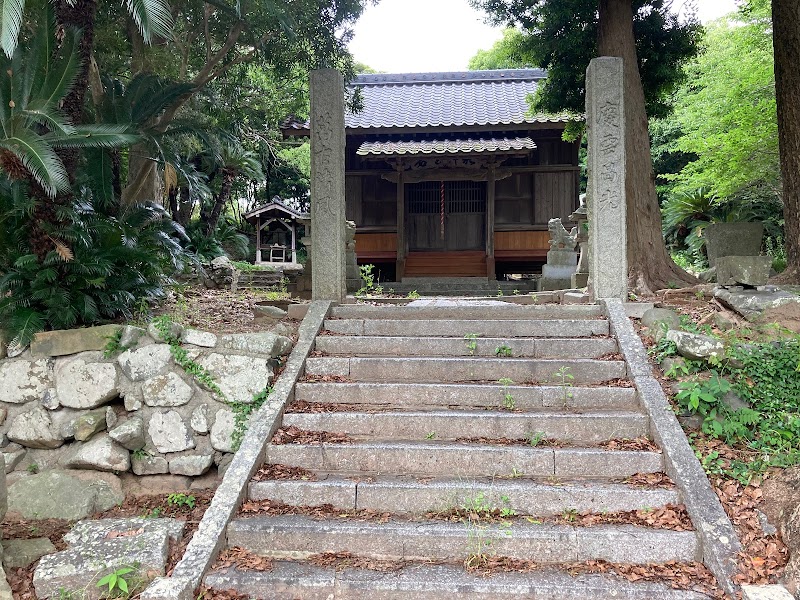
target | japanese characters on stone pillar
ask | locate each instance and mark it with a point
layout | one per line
(605, 121)
(327, 185)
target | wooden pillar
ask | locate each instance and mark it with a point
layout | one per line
(490, 184)
(401, 226)
(258, 239)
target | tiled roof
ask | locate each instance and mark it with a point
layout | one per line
(446, 146)
(445, 99)
(278, 203)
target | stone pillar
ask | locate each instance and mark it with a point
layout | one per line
(327, 185)
(580, 278)
(605, 122)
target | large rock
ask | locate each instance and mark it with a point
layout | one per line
(199, 419)
(13, 455)
(129, 434)
(239, 377)
(83, 382)
(781, 505)
(23, 381)
(696, 347)
(267, 343)
(101, 547)
(732, 239)
(3, 490)
(149, 465)
(743, 270)
(751, 303)
(655, 316)
(143, 363)
(35, 429)
(130, 336)
(222, 430)
(169, 433)
(18, 554)
(89, 424)
(72, 341)
(60, 494)
(195, 337)
(166, 390)
(193, 466)
(101, 454)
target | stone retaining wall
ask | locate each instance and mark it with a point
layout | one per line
(65, 403)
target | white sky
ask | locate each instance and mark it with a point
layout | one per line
(400, 36)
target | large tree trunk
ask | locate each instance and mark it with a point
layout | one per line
(650, 267)
(220, 201)
(786, 39)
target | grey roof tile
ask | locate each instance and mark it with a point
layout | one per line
(446, 146)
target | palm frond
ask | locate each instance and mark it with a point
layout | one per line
(39, 158)
(10, 24)
(152, 17)
(93, 136)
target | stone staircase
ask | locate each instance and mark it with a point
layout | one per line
(434, 447)
(458, 286)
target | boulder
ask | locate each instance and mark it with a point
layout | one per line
(18, 554)
(696, 347)
(166, 390)
(193, 466)
(129, 434)
(239, 377)
(84, 382)
(765, 592)
(709, 275)
(3, 415)
(195, 337)
(23, 381)
(654, 316)
(743, 270)
(222, 430)
(751, 303)
(98, 548)
(169, 433)
(733, 239)
(35, 429)
(199, 419)
(13, 454)
(3, 490)
(174, 331)
(149, 465)
(72, 341)
(111, 417)
(144, 363)
(268, 312)
(130, 336)
(89, 424)
(101, 454)
(49, 399)
(59, 494)
(266, 343)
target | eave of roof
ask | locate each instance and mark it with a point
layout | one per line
(274, 204)
(463, 146)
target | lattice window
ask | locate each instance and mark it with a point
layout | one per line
(425, 198)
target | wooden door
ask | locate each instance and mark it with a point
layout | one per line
(446, 215)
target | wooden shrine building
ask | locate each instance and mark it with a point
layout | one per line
(276, 226)
(449, 175)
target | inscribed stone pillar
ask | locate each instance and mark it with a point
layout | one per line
(605, 122)
(327, 185)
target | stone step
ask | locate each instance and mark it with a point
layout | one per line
(432, 582)
(406, 495)
(428, 346)
(576, 429)
(448, 459)
(505, 328)
(473, 311)
(299, 536)
(577, 371)
(405, 395)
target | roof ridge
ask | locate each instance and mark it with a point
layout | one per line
(449, 77)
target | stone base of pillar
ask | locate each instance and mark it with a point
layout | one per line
(580, 280)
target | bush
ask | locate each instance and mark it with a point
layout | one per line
(104, 262)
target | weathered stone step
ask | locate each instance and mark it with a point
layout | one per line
(432, 582)
(406, 495)
(487, 327)
(299, 536)
(577, 371)
(585, 428)
(525, 397)
(447, 459)
(428, 346)
(475, 311)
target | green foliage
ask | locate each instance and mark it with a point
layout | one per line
(503, 351)
(413, 295)
(472, 342)
(111, 263)
(116, 580)
(226, 240)
(726, 110)
(509, 52)
(164, 326)
(562, 35)
(369, 278)
(33, 468)
(179, 500)
(565, 379)
(113, 346)
(241, 415)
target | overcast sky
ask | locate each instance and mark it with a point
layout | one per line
(398, 36)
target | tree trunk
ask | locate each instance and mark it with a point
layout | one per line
(786, 40)
(144, 182)
(649, 266)
(220, 201)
